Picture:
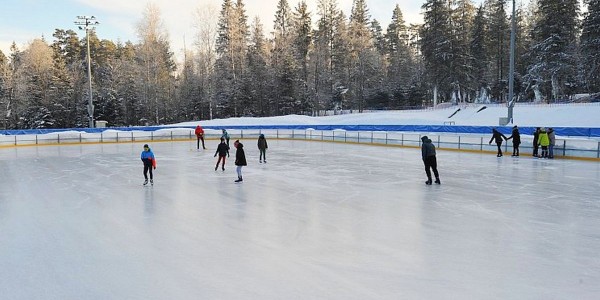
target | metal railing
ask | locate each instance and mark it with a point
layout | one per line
(574, 148)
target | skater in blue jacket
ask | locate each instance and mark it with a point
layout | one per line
(149, 163)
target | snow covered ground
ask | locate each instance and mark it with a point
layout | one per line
(319, 221)
(556, 115)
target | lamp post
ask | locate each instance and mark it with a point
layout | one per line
(511, 72)
(86, 22)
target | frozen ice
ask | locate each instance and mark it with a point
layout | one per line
(319, 221)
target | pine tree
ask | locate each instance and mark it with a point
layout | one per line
(498, 47)
(479, 52)
(398, 72)
(590, 46)
(436, 45)
(258, 70)
(554, 45)
(322, 57)
(463, 16)
(282, 61)
(302, 35)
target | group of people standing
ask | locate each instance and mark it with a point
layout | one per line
(542, 138)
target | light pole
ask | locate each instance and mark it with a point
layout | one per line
(86, 22)
(511, 72)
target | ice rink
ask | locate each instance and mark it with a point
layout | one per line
(319, 221)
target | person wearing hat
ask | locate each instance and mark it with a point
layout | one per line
(262, 148)
(149, 163)
(516, 140)
(536, 138)
(199, 137)
(544, 142)
(240, 159)
(498, 136)
(222, 151)
(429, 159)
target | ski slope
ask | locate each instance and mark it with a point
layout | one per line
(568, 115)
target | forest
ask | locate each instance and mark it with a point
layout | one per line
(306, 62)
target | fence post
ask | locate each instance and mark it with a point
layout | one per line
(481, 144)
(292, 134)
(132, 139)
(459, 142)
(321, 135)
(386, 140)
(598, 153)
(345, 132)
(101, 138)
(305, 134)
(438, 141)
(171, 135)
(277, 133)
(242, 133)
(565, 148)
(190, 134)
(152, 135)
(402, 141)
(36, 141)
(15, 140)
(80, 137)
(371, 137)
(58, 138)
(117, 136)
(419, 140)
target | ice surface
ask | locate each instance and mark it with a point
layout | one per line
(319, 221)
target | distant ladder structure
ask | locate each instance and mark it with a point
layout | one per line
(449, 123)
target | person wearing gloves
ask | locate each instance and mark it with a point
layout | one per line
(496, 135)
(516, 140)
(149, 163)
(429, 159)
(552, 137)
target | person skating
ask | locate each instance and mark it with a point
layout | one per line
(516, 140)
(222, 151)
(149, 164)
(544, 142)
(262, 148)
(225, 136)
(199, 137)
(240, 159)
(536, 136)
(552, 137)
(497, 135)
(429, 159)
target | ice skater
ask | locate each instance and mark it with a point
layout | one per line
(199, 137)
(225, 136)
(429, 159)
(552, 137)
(149, 163)
(262, 148)
(536, 136)
(516, 140)
(544, 142)
(222, 150)
(240, 159)
(497, 135)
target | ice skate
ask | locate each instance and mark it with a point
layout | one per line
(437, 181)
(260, 161)
(239, 179)
(428, 182)
(216, 168)
(151, 181)
(146, 182)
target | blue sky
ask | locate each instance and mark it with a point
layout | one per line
(23, 20)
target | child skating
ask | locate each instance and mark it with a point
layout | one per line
(225, 136)
(222, 150)
(262, 148)
(240, 159)
(149, 164)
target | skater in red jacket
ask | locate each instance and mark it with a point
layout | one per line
(200, 137)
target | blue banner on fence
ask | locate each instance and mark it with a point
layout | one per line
(561, 131)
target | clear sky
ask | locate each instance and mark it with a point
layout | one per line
(23, 20)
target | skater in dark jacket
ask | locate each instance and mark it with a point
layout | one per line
(240, 159)
(536, 136)
(498, 136)
(222, 150)
(552, 137)
(262, 148)
(149, 163)
(428, 154)
(516, 140)
(225, 136)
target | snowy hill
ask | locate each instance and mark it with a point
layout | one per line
(555, 115)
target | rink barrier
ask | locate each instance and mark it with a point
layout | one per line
(561, 131)
(583, 149)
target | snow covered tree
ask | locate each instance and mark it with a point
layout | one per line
(283, 62)
(478, 49)
(590, 46)
(555, 45)
(322, 56)
(399, 56)
(498, 47)
(436, 45)
(463, 85)
(302, 35)
(258, 56)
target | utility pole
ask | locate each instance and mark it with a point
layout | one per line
(86, 22)
(511, 75)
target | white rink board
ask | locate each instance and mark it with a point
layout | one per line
(319, 221)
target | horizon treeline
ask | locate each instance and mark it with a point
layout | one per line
(305, 63)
